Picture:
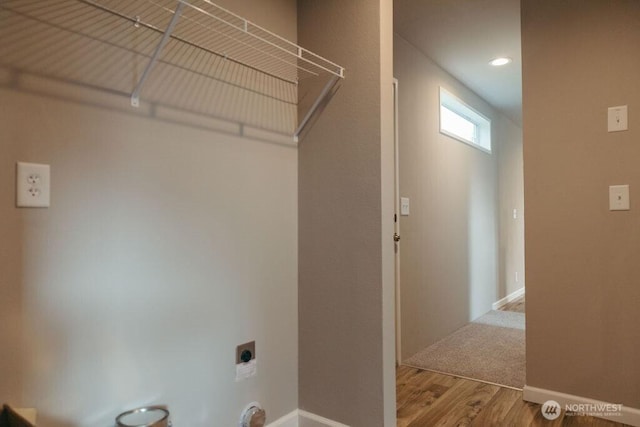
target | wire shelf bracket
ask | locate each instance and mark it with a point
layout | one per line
(135, 96)
(315, 108)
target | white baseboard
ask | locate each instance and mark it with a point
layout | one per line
(299, 418)
(630, 416)
(506, 300)
(289, 420)
(308, 419)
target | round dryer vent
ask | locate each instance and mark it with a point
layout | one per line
(253, 416)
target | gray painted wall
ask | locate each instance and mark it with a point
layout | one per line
(343, 270)
(450, 242)
(582, 259)
(165, 246)
(511, 196)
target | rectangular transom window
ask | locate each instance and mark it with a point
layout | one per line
(463, 123)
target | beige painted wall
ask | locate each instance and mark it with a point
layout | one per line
(346, 343)
(579, 58)
(511, 197)
(165, 246)
(450, 265)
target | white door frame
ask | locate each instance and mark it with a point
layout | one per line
(396, 224)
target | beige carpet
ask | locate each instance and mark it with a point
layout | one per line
(490, 349)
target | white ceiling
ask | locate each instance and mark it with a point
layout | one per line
(462, 36)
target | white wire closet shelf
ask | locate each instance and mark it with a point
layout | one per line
(189, 54)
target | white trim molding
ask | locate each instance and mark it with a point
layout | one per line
(299, 418)
(308, 419)
(627, 415)
(289, 420)
(506, 300)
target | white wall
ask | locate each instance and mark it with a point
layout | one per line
(450, 242)
(164, 247)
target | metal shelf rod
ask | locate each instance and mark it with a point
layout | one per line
(245, 29)
(300, 50)
(252, 47)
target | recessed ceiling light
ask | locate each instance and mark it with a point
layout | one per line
(498, 62)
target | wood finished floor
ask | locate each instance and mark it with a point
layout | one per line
(429, 399)
(516, 305)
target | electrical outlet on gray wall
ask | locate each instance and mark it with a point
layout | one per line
(245, 352)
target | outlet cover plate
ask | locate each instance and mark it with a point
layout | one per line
(251, 346)
(617, 120)
(246, 370)
(619, 198)
(33, 185)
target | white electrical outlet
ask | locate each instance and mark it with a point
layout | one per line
(32, 185)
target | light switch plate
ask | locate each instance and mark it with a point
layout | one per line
(404, 206)
(619, 198)
(33, 185)
(617, 119)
